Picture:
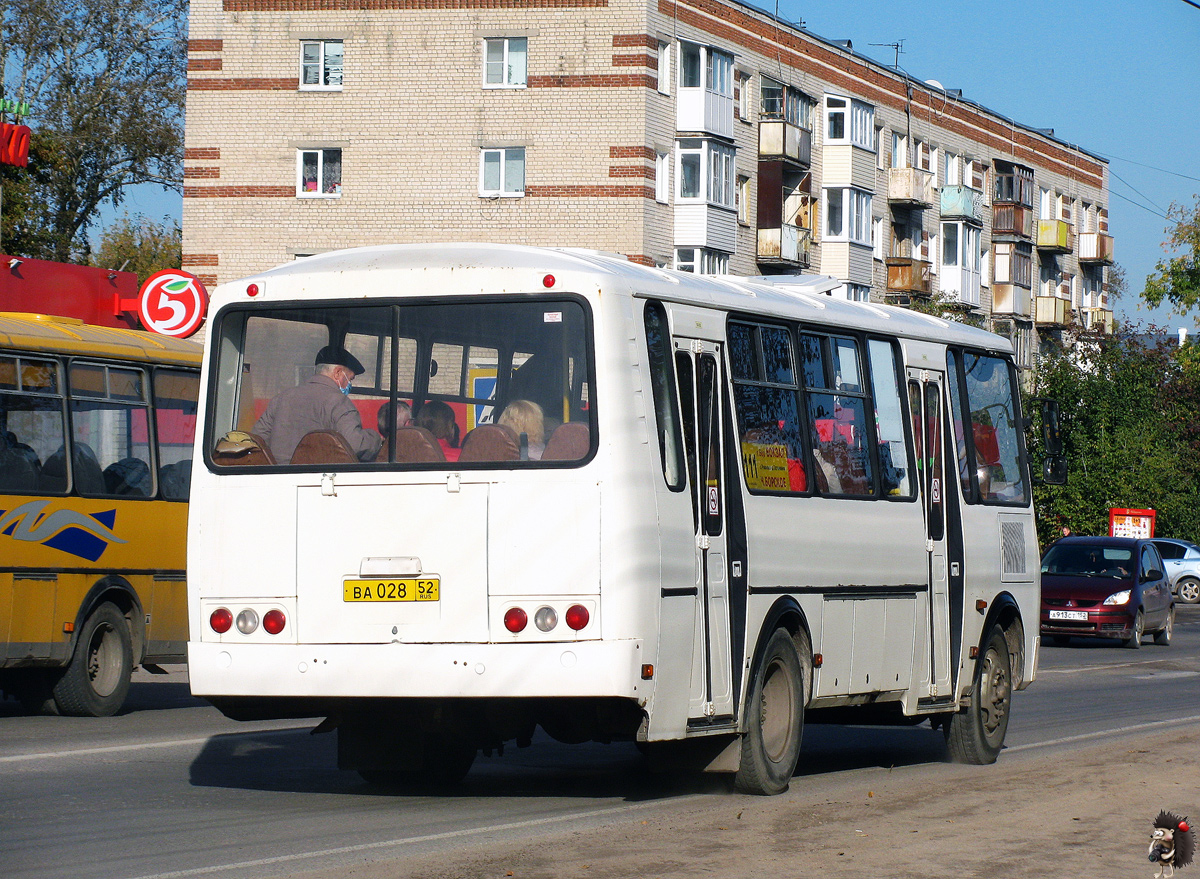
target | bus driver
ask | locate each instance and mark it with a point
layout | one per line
(321, 403)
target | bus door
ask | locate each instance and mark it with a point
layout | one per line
(697, 365)
(928, 415)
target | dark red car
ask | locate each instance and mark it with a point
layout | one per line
(1106, 587)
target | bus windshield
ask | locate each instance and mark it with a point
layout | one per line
(493, 381)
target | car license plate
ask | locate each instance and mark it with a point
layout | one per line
(1076, 615)
(392, 589)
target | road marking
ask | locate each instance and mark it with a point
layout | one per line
(1083, 668)
(1166, 675)
(416, 840)
(140, 746)
(1137, 727)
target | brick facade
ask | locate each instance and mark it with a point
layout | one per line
(412, 115)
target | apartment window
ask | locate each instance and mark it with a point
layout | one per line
(848, 215)
(1013, 264)
(702, 261)
(743, 199)
(504, 64)
(502, 172)
(877, 238)
(849, 121)
(951, 168)
(1014, 183)
(778, 101)
(662, 177)
(858, 292)
(743, 96)
(689, 65)
(664, 68)
(706, 164)
(718, 72)
(321, 65)
(319, 173)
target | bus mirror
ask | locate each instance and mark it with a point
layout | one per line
(1054, 470)
(1051, 435)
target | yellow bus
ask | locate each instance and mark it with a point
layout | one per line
(96, 430)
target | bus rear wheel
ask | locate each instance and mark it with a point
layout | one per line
(96, 682)
(976, 734)
(775, 720)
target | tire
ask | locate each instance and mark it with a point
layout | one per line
(1189, 590)
(1134, 641)
(97, 680)
(775, 719)
(1163, 636)
(976, 734)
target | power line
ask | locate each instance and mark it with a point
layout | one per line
(1138, 191)
(1137, 205)
(1191, 3)
(1152, 167)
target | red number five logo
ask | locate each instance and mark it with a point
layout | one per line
(172, 303)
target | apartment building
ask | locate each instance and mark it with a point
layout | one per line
(706, 135)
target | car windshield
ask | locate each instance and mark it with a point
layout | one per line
(1088, 560)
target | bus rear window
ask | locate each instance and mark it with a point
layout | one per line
(484, 383)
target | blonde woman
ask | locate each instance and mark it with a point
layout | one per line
(525, 417)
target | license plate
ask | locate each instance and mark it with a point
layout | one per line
(392, 589)
(1076, 615)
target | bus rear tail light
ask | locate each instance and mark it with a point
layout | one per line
(221, 620)
(274, 621)
(546, 618)
(577, 616)
(515, 620)
(247, 621)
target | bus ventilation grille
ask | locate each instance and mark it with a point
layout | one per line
(1012, 547)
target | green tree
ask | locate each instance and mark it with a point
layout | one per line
(1131, 426)
(106, 84)
(1177, 276)
(140, 245)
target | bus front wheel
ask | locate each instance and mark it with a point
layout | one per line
(775, 719)
(976, 734)
(97, 680)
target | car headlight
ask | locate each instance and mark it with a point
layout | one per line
(1118, 598)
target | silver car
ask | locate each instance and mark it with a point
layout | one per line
(1182, 558)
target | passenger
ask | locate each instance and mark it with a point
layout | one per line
(438, 418)
(403, 416)
(525, 419)
(321, 403)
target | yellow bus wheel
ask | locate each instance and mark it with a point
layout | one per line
(97, 680)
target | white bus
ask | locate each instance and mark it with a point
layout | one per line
(742, 503)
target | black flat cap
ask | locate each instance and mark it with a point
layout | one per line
(340, 357)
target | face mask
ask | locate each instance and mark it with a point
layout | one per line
(346, 390)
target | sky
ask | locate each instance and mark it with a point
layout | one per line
(1118, 78)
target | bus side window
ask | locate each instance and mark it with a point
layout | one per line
(662, 388)
(889, 421)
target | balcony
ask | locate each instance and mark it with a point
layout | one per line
(962, 203)
(1096, 248)
(787, 245)
(1012, 220)
(701, 110)
(778, 139)
(906, 275)
(1098, 320)
(1052, 311)
(1055, 236)
(1011, 299)
(910, 187)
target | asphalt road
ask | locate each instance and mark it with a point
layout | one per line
(169, 788)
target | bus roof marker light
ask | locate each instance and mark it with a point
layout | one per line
(577, 616)
(548, 281)
(515, 620)
(221, 620)
(252, 290)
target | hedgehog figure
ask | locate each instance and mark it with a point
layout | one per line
(1172, 844)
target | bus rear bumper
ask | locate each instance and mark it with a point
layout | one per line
(581, 668)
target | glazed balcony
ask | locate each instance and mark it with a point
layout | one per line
(1052, 311)
(910, 187)
(961, 203)
(786, 245)
(1096, 248)
(1012, 220)
(778, 139)
(1055, 236)
(1098, 320)
(907, 275)
(1011, 299)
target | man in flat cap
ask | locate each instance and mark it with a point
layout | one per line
(321, 403)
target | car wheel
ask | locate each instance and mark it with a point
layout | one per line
(976, 734)
(1189, 590)
(1163, 636)
(1134, 641)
